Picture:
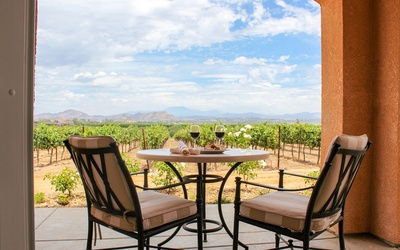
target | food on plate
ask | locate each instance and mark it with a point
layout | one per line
(212, 146)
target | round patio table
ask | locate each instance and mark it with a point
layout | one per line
(230, 155)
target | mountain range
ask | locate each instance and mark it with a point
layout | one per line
(179, 114)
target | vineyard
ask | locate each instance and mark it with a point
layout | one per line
(298, 146)
(297, 141)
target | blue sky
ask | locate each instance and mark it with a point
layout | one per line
(109, 57)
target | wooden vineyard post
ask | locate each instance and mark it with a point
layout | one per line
(279, 146)
(145, 146)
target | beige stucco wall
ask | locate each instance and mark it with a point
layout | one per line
(360, 93)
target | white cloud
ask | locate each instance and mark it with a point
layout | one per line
(121, 27)
(249, 61)
(73, 96)
(283, 58)
(295, 20)
(113, 57)
(214, 61)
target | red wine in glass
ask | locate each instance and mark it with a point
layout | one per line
(219, 135)
(219, 132)
(194, 132)
(194, 135)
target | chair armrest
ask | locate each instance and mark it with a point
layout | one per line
(184, 182)
(138, 172)
(302, 176)
(145, 172)
(273, 187)
(282, 173)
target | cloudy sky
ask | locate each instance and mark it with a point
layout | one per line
(107, 57)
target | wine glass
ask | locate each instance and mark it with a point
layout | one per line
(219, 132)
(194, 132)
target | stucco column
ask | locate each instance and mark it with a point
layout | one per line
(385, 203)
(360, 94)
(346, 91)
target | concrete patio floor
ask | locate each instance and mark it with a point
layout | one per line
(66, 228)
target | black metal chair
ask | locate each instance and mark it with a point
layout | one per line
(113, 200)
(303, 217)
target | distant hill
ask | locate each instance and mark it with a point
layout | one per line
(70, 115)
(186, 112)
(144, 117)
(179, 114)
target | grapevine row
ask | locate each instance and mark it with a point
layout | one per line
(298, 137)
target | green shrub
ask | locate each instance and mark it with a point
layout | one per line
(263, 191)
(39, 198)
(247, 169)
(132, 166)
(224, 200)
(313, 174)
(311, 182)
(63, 199)
(163, 174)
(66, 180)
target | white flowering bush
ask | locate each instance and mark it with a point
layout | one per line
(239, 137)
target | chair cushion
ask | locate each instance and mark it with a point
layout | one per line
(345, 141)
(283, 209)
(157, 209)
(91, 141)
(115, 176)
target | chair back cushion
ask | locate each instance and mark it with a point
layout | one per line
(336, 173)
(104, 180)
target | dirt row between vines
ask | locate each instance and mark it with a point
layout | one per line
(266, 175)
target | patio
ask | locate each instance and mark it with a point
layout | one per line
(66, 228)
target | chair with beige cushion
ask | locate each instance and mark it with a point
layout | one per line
(113, 200)
(303, 217)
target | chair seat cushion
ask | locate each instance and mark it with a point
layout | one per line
(157, 209)
(283, 209)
